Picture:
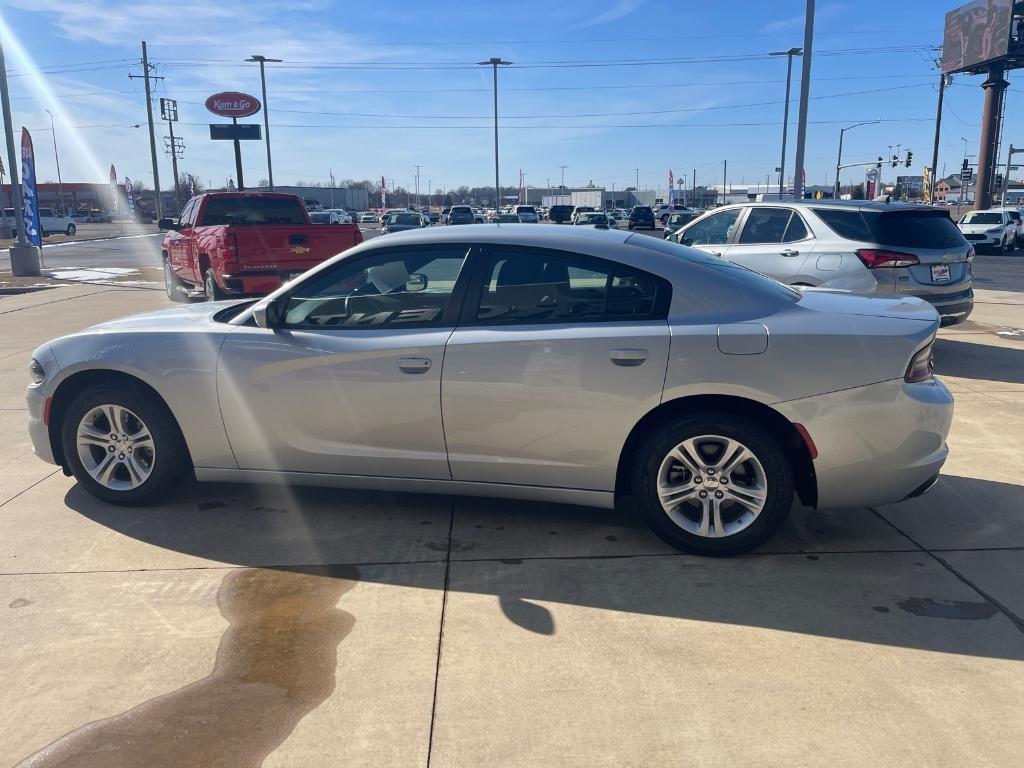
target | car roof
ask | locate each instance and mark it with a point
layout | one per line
(845, 205)
(538, 237)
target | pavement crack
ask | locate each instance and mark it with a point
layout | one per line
(440, 633)
(1010, 615)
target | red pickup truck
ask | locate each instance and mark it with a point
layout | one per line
(244, 243)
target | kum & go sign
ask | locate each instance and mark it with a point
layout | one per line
(233, 104)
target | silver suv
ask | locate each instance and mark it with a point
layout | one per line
(855, 246)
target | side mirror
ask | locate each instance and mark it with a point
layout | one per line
(167, 225)
(417, 282)
(687, 241)
(267, 315)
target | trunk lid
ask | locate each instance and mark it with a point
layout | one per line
(867, 305)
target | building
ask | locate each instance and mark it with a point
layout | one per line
(351, 198)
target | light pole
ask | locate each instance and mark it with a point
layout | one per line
(262, 60)
(493, 63)
(56, 156)
(785, 112)
(964, 185)
(430, 194)
(839, 159)
(418, 185)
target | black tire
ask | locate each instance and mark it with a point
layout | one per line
(172, 283)
(70, 231)
(213, 291)
(1009, 246)
(170, 459)
(778, 473)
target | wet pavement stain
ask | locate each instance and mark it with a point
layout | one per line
(275, 663)
(205, 506)
(879, 609)
(19, 602)
(963, 610)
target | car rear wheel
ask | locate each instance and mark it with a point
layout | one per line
(70, 231)
(213, 291)
(121, 446)
(713, 484)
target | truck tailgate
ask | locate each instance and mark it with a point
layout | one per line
(287, 246)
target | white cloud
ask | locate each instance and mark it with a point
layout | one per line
(619, 10)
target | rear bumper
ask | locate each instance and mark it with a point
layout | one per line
(877, 444)
(953, 308)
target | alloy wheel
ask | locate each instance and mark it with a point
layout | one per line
(115, 447)
(712, 486)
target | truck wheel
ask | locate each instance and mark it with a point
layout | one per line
(172, 284)
(122, 446)
(213, 291)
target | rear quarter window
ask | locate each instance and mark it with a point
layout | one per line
(916, 229)
(848, 224)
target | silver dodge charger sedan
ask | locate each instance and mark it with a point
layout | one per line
(559, 364)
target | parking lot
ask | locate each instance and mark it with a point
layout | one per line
(243, 625)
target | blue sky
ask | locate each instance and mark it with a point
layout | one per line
(371, 90)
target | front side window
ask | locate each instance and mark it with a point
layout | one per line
(396, 289)
(716, 229)
(535, 286)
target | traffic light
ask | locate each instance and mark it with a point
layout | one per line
(879, 164)
(910, 156)
(895, 161)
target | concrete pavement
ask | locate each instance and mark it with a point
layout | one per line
(241, 626)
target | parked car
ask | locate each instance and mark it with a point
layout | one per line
(479, 216)
(527, 214)
(662, 212)
(343, 216)
(368, 218)
(993, 229)
(505, 218)
(560, 214)
(641, 216)
(577, 210)
(400, 222)
(688, 409)
(461, 214)
(676, 221)
(598, 219)
(244, 243)
(327, 217)
(433, 217)
(854, 245)
(53, 222)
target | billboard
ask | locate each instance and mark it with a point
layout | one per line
(29, 204)
(976, 33)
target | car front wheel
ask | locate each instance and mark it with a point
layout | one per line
(70, 231)
(121, 446)
(713, 484)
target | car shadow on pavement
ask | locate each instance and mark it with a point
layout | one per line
(967, 360)
(879, 589)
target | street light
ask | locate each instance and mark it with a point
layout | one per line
(262, 60)
(494, 63)
(60, 184)
(562, 188)
(785, 112)
(839, 160)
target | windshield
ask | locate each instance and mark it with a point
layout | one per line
(320, 218)
(982, 217)
(252, 211)
(525, 209)
(591, 218)
(404, 219)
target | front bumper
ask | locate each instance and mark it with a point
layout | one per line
(36, 397)
(979, 240)
(877, 444)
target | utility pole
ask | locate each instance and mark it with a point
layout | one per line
(695, 184)
(56, 157)
(1006, 176)
(174, 145)
(805, 93)
(935, 144)
(24, 255)
(430, 194)
(417, 167)
(146, 77)
(637, 172)
(563, 167)
(494, 62)
(725, 177)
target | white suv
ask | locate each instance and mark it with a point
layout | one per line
(53, 222)
(992, 229)
(527, 214)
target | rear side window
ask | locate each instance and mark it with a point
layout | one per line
(765, 225)
(535, 286)
(848, 224)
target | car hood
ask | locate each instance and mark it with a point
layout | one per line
(868, 305)
(974, 228)
(182, 317)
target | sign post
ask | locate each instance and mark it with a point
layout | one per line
(234, 104)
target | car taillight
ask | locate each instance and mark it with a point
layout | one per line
(877, 259)
(970, 255)
(231, 246)
(921, 365)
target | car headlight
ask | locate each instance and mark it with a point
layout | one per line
(996, 231)
(36, 372)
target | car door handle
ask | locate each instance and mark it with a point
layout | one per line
(628, 357)
(790, 252)
(414, 364)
